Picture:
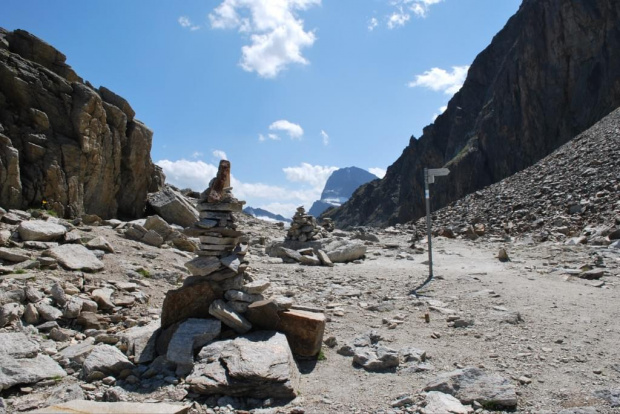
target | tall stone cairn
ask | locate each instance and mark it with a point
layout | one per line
(304, 227)
(219, 286)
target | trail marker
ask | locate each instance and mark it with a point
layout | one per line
(429, 178)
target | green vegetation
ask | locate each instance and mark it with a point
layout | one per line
(144, 272)
(321, 356)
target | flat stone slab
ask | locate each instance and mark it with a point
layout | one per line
(438, 402)
(187, 302)
(304, 331)
(95, 407)
(76, 257)
(18, 345)
(40, 230)
(258, 365)
(140, 341)
(106, 359)
(27, 370)
(473, 384)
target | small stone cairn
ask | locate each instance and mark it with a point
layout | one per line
(221, 288)
(305, 228)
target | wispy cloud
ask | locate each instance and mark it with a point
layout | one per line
(441, 80)
(325, 138)
(220, 155)
(185, 22)
(441, 111)
(372, 23)
(277, 34)
(294, 131)
(197, 154)
(379, 172)
(404, 9)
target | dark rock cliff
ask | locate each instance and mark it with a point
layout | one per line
(63, 142)
(549, 74)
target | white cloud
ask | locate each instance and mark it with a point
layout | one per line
(398, 18)
(197, 154)
(310, 181)
(441, 80)
(325, 138)
(404, 9)
(293, 130)
(314, 175)
(379, 172)
(277, 35)
(274, 137)
(220, 155)
(372, 24)
(188, 174)
(185, 22)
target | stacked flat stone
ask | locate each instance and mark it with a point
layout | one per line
(328, 224)
(219, 286)
(304, 227)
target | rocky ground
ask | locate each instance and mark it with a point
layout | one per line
(542, 327)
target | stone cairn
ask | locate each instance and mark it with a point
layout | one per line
(221, 291)
(305, 228)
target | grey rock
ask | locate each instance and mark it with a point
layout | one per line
(256, 287)
(412, 354)
(473, 384)
(376, 359)
(10, 313)
(190, 336)
(72, 308)
(609, 395)
(238, 295)
(103, 297)
(58, 294)
(14, 295)
(31, 314)
(257, 365)
(27, 370)
(229, 317)
(152, 238)
(440, 403)
(95, 407)
(14, 254)
(579, 410)
(78, 353)
(343, 251)
(140, 341)
(39, 230)
(106, 359)
(173, 207)
(100, 243)
(18, 345)
(64, 393)
(75, 257)
(203, 265)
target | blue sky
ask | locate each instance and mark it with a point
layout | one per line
(287, 90)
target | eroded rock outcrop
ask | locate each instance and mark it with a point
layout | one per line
(63, 143)
(547, 76)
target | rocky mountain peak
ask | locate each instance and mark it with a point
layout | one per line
(548, 75)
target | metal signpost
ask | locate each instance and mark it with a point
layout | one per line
(429, 178)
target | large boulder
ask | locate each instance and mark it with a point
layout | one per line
(15, 371)
(75, 257)
(190, 336)
(40, 230)
(105, 359)
(343, 251)
(173, 207)
(473, 384)
(258, 365)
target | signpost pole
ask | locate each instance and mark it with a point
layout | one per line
(429, 178)
(428, 225)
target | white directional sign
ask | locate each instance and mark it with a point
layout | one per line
(438, 172)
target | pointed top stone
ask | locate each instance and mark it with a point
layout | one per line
(215, 193)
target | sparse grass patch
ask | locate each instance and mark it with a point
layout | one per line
(321, 356)
(144, 272)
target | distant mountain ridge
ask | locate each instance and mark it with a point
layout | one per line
(339, 187)
(260, 213)
(549, 74)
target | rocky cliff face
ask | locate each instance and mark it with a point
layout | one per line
(551, 73)
(339, 187)
(63, 142)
